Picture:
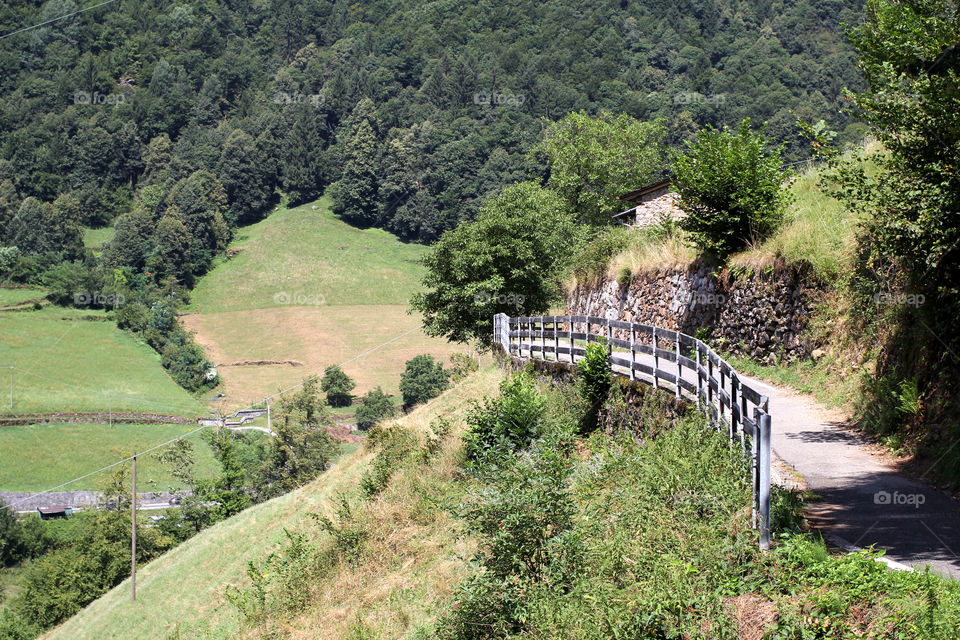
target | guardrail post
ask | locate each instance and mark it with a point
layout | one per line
(699, 377)
(543, 338)
(720, 387)
(734, 409)
(633, 352)
(656, 361)
(676, 345)
(764, 465)
(609, 338)
(710, 388)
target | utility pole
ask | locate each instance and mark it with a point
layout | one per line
(133, 533)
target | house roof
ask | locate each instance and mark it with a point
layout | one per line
(635, 195)
(53, 509)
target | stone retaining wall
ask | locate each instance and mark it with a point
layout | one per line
(762, 316)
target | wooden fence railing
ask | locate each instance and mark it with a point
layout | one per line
(664, 359)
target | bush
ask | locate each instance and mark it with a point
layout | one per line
(187, 364)
(510, 421)
(394, 447)
(422, 380)
(337, 385)
(730, 185)
(594, 377)
(462, 365)
(591, 259)
(374, 407)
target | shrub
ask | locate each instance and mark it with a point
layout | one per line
(591, 259)
(394, 447)
(730, 185)
(374, 407)
(462, 365)
(422, 380)
(510, 421)
(337, 385)
(187, 364)
(594, 377)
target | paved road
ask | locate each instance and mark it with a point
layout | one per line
(864, 500)
(28, 502)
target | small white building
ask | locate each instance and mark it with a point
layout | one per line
(649, 204)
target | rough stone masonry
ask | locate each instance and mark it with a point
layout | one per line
(763, 316)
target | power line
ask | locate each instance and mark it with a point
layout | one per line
(13, 33)
(201, 428)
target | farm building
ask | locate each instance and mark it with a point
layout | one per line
(649, 204)
(50, 513)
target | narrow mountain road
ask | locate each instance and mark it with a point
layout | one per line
(865, 501)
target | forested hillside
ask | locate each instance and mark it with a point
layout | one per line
(188, 118)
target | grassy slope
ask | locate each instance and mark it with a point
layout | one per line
(67, 362)
(310, 253)
(13, 297)
(37, 457)
(96, 238)
(183, 591)
(307, 288)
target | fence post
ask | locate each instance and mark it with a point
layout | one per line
(609, 338)
(556, 339)
(734, 408)
(633, 352)
(720, 387)
(699, 377)
(764, 465)
(709, 388)
(676, 345)
(656, 361)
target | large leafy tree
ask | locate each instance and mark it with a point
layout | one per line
(423, 379)
(909, 58)
(509, 260)
(594, 159)
(730, 185)
(374, 407)
(243, 176)
(337, 385)
(355, 194)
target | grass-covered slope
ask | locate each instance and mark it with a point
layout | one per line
(39, 456)
(72, 360)
(306, 251)
(182, 594)
(638, 530)
(304, 291)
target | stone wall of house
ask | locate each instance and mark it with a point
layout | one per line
(762, 316)
(653, 205)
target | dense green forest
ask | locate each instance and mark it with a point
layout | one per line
(175, 123)
(188, 118)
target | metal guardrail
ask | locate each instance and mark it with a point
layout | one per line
(695, 373)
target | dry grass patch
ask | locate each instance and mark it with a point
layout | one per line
(645, 255)
(316, 337)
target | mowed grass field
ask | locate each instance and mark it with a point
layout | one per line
(78, 361)
(305, 291)
(13, 297)
(306, 257)
(38, 457)
(182, 593)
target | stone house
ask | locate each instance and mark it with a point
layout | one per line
(649, 203)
